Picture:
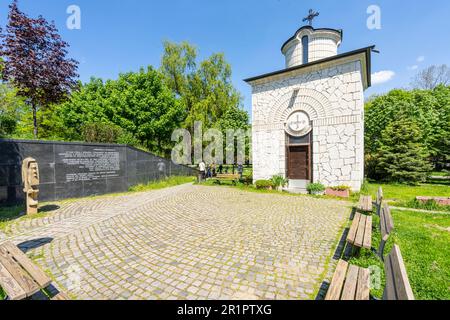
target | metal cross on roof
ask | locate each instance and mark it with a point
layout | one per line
(312, 15)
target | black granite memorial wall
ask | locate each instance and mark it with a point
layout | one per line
(73, 170)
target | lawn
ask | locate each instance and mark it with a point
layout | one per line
(169, 182)
(424, 240)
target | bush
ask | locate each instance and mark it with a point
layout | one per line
(315, 187)
(247, 180)
(98, 132)
(430, 205)
(279, 181)
(264, 184)
(101, 132)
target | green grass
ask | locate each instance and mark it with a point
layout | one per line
(424, 241)
(398, 194)
(2, 294)
(169, 182)
(8, 214)
(440, 174)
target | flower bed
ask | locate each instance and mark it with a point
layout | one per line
(341, 192)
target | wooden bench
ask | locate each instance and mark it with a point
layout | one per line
(386, 227)
(360, 234)
(397, 282)
(365, 204)
(349, 283)
(353, 283)
(379, 201)
(228, 176)
(20, 278)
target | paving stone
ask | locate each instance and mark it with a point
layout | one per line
(188, 242)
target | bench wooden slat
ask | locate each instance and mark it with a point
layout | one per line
(387, 223)
(354, 228)
(386, 227)
(351, 283)
(365, 204)
(42, 279)
(359, 239)
(363, 289)
(334, 292)
(227, 176)
(397, 282)
(10, 285)
(367, 242)
(22, 277)
(380, 196)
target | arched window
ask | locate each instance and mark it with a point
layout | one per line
(305, 45)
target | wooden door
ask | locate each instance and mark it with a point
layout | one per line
(298, 163)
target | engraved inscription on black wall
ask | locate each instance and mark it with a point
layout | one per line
(72, 170)
(91, 165)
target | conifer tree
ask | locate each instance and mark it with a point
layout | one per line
(402, 156)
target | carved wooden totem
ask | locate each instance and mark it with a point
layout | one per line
(30, 180)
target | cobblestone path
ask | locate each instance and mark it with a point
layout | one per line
(187, 242)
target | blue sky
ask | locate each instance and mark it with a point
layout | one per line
(119, 36)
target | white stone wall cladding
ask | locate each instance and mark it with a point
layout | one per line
(334, 100)
(322, 44)
(321, 48)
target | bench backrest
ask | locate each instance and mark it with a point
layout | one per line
(228, 175)
(380, 196)
(386, 222)
(397, 282)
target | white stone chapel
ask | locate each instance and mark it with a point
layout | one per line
(308, 119)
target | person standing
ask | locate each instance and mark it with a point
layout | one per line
(240, 170)
(202, 169)
(214, 170)
(208, 171)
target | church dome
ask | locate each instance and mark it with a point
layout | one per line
(309, 45)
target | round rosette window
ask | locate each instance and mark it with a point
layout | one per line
(298, 124)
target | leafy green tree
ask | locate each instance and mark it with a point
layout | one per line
(429, 108)
(205, 89)
(12, 107)
(402, 155)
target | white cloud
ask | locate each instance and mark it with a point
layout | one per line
(421, 59)
(382, 77)
(415, 67)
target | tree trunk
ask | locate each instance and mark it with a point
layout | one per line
(35, 124)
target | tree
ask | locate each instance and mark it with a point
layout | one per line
(205, 89)
(36, 61)
(402, 156)
(138, 102)
(177, 63)
(430, 109)
(432, 77)
(11, 108)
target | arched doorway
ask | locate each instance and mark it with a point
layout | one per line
(298, 149)
(299, 153)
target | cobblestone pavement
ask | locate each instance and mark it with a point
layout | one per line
(187, 242)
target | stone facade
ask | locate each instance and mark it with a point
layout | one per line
(332, 96)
